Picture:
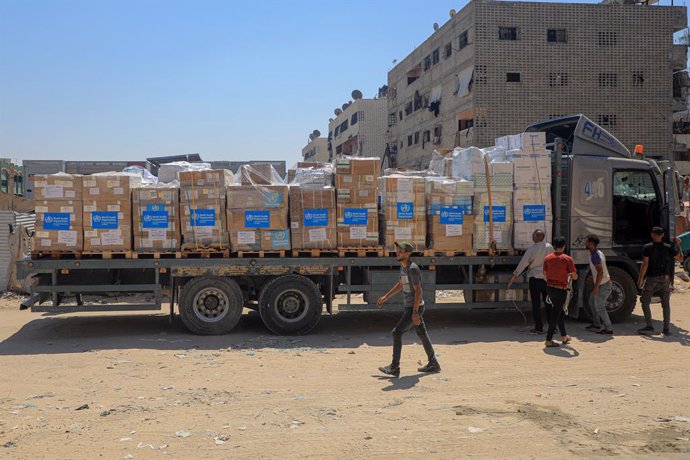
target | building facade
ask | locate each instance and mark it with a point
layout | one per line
(316, 150)
(359, 129)
(496, 67)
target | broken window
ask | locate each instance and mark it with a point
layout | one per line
(607, 120)
(465, 124)
(608, 79)
(558, 79)
(449, 50)
(556, 36)
(513, 77)
(414, 74)
(638, 78)
(507, 33)
(427, 63)
(607, 39)
(463, 40)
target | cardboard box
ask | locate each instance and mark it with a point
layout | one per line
(503, 235)
(349, 181)
(107, 225)
(60, 187)
(358, 225)
(258, 174)
(275, 240)
(313, 218)
(531, 168)
(252, 219)
(251, 240)
(523, 141)
(403, 204)
(155, 219)
(109, 186)
(502, 203)
(203, 224)
(211, 178)
(361, 195)
(522, 233)
(532, 203)
(450, 232)
(414, 232)
(257, 197)
(258, 217)
(501, 177)
(58, 225)
(356, 166)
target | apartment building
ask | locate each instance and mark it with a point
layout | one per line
(316, 150)
(359, 127)
(497, 66)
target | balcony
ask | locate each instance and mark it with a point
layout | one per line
(679, 57)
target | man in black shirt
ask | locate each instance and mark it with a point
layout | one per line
(656, 278)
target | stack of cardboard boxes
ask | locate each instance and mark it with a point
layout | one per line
(202, 208)
(403, 205)
(257, 210)
(108, 211)
(156, 219)
(357, 201)
(449, 214)
(313, 209)
(58, 206)
(495, 209)
(532, 186)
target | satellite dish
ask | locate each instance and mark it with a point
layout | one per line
(395, 61)
(451, 13)
(356, 94)
(435, 25)
(311, 137)
(330, 120)
(316, 133)
(337, 112)
(345, 105)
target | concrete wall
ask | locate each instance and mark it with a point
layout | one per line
(316, 150)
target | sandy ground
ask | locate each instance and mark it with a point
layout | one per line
(134, 386)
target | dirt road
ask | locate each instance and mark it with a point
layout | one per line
(128, 386)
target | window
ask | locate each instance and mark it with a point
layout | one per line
(507, 33)
(427, 63)
(392, 119)
(436, 56)
(408, 108)
(343, 126)
(337, 131)
(401, 145)
(437, 134)
(412, 79)
(414, 74)
(465, 124)
(638, 79)
(401, 115)
(353, 119)
(608, 79)
(607, 120)
(556, 36)
(463, 40)
(416, 138)
(409, 140)
(426, 136)
(636, 202)
(558, 79)
(513, 77)
(339, 150)
(607, 39)
(449, 50)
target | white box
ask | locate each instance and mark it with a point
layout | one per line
(522, 237)
(523, 141)
(526, 199)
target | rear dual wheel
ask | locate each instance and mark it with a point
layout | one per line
(290, 305)
(211, 306)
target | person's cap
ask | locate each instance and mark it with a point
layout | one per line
(405, 246)
(658, 230)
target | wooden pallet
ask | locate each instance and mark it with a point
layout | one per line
(374, 251)
(107, 254)
(499, 252)
(156, 255)
(314, 253)
(37, 255)
(446, 253)
(206, 254)
(260, 254)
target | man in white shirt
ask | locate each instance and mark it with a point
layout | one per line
(601, 291)
(533, 262)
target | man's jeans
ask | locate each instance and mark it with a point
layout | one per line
(404, 325)
(656, 285)
(537, 292)
(597, 305)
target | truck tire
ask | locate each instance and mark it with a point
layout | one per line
(290, 305)
(623, 296)
(686, 264)
(211, 306)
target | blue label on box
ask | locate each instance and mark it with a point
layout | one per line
(202, 217)
(451, 216)
(356, 216)
(272, 199)
(56, 221)
(257, 219)
(316, 217)
(155, 207)
(280, 239)
(405, 211)
(499, 213)
(104, 220)
(534, 212)
(154, 219)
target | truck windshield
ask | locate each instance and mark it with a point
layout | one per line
(636, 205)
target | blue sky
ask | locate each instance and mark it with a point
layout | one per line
(116, 80)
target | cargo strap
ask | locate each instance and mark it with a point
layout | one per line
(492, 242)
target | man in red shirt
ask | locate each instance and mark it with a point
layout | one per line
(559, 268)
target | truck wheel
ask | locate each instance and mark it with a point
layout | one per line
(623, 296)
(290, 305)
(211, 306)
(686, 264)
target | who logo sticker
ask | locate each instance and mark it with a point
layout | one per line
(534, 212)
(104, 220)
(451, 216)
(154, 219)
(316, 217)
(56, 221)
(405, 211)
(356, 216)
(499, 213)
(202, 217)
(257, 219)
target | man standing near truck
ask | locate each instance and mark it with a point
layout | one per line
(411, 284)
(559, 269)
(533, 262)
(656, 278)
(601, 323)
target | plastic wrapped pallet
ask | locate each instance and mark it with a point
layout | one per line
(108, 211)
(502, 216)
(203, 208)
(313, 217)
(167, 172)
(441, 163)
(532, 203)
(58, 206)
(304, 164)
(257, 210)
(523, 141)
(531, 168)
(449, 214)
(357, 201)
(403, 203)
(465, 161)
(155, 218)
